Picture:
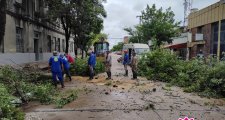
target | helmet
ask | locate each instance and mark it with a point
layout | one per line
(55, 53)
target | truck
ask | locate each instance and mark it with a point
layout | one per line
(138, 48)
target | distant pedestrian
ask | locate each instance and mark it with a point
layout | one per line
(108, 64)
(56, 65)
(66, 66)
(134, 63)
(91, 65)
(126, 62)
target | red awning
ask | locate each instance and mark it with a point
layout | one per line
(177, 46)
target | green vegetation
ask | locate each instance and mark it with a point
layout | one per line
(205, 78)
(156, 25)
(80, 67)
(8, 111)
(19, 86)
(118, 47)
(65, 98)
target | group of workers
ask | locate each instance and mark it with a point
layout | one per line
(126, 62)
(60, 65)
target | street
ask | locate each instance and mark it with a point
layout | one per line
(126, 99)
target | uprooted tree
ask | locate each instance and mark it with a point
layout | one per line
(156, 24)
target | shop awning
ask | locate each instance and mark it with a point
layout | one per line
(176, 46)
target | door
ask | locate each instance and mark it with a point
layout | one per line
(36, 52)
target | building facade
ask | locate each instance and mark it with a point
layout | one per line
(208, 30)
(29, 36)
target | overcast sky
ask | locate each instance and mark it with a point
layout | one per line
(122, 13)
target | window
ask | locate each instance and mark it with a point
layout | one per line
(58, 45)
(141, 50)
(214, 42)
(222, 38)
(71, 47)
(54, 43)
(63, 45)
(19, 40)
(199, 29)
(49, 43)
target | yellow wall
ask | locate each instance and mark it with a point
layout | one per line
(207, 15)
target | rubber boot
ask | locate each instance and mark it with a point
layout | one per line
(110, 74)
(134, 75)
(62, 84)
(54, 83)
(126, 73)
(70, 78)
(91, 76)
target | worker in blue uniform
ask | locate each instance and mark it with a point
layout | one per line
(56, 65)
(91, 65)
(66, 66)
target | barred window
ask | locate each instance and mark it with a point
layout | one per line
(49, 43)
(63, 45)
(19, 40)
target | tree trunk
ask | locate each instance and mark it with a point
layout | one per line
(66, 26)
(82, 51)
(67, 42)
(2, 23)
(75, 49)
(86, 51)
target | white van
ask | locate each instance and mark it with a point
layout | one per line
(137, 47)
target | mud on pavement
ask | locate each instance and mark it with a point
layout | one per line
(125, 99)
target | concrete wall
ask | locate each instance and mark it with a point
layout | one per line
(10, 35)
(21, 58)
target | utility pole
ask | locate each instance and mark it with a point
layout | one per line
(140, 19)
(187, 9)
(140, 22)
(219, 27)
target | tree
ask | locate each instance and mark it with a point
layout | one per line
(63, 10)
(89, 21)
(2, 23)
(118, 47)
(156, 24)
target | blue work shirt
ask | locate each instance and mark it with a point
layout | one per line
(92, 60)
(126, 59)
(55, 62)
(66, 63)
